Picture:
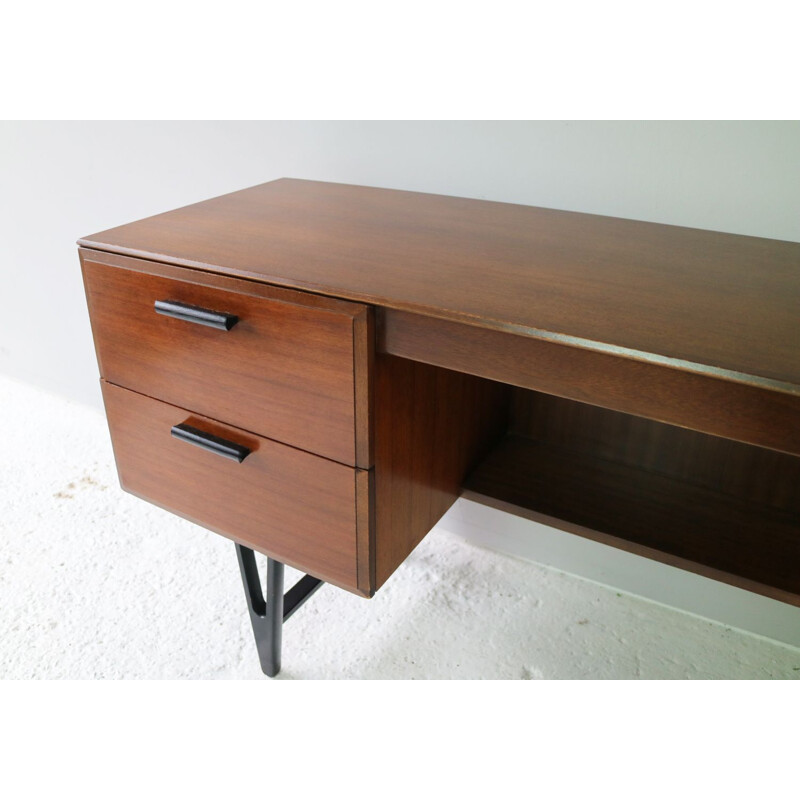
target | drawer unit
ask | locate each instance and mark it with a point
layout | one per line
(285, 365)
(301, 509)
(338, 483)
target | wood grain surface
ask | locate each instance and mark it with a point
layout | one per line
(456, 301)
(431, 427)
(752, 474)
(713, 533)
(286, 370)
(740, 411)
(296, 507)
(720, 302)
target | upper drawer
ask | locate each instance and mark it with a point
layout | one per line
(294, 368)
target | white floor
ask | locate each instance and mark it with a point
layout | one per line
(97, 584)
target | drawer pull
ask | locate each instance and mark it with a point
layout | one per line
(222, 447)
(201, 316)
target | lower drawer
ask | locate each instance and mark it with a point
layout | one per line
(301, 509)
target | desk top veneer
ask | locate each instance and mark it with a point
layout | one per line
(715, 303)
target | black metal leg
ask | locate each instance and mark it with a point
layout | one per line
(267, 616)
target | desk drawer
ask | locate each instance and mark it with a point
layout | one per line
(296, 507)
(288, 369)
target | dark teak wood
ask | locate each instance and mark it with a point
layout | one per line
(716, 300)
(431, 427)
(741, 411)
(295, 507)
(754, 474)
(714, 507)
(635, 383)
(286, 370)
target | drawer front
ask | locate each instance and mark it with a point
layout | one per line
(287, 369)
(296, 507)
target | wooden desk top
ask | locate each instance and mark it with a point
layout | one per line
(714, 303)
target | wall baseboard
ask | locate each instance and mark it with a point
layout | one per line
(651, 580)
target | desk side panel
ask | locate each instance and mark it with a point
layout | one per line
(431, 427)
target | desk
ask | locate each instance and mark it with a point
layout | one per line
(317, 371)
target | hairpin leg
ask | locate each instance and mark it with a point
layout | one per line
(268, 615)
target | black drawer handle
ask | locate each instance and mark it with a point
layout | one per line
(222, 447)
(201, 316)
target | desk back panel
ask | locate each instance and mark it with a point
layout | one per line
(754, 474)
(722, 509)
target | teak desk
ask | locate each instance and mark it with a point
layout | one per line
(317, 371)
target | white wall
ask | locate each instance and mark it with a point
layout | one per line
(59, 181)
